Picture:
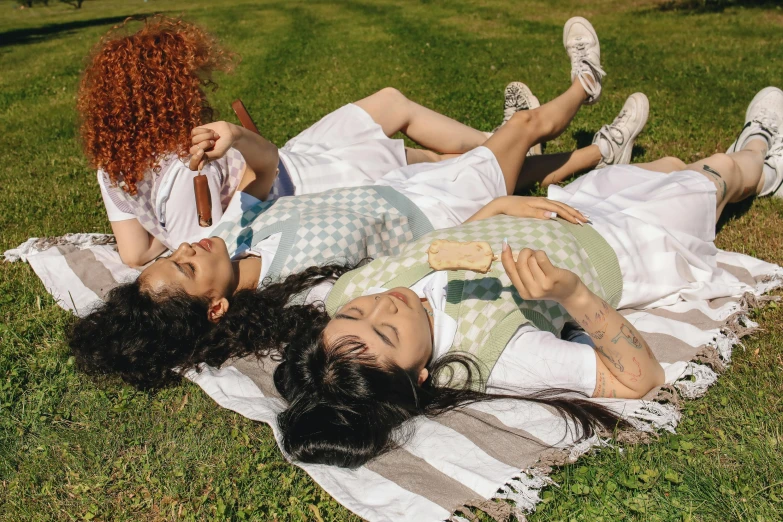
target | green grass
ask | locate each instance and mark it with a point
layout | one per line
(73, 448)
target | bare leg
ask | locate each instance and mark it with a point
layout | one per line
(527, 128)
(395, 113)
(554, 168)
(736, 176)
(665, 165)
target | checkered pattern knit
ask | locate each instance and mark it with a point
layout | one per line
(337, 226)
(229, 172)
(487, 307)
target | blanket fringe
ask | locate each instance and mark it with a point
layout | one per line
(35, 245)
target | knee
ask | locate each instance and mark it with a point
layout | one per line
(390, 95)
(531, 122)
(675, 163)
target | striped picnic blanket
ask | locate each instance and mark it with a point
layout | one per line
(493, 457)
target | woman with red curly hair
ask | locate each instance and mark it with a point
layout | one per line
(144, 111)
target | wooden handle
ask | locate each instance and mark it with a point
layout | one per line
(244, 116)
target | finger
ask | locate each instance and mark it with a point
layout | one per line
(200, 130)
(534, 264)
(510, 266)
(196, 160)
(525, 275)
(566, 212)
(201, 138)
(545, 265)
(205, 146)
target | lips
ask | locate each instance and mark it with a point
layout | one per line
(206, 244)
(400, 297)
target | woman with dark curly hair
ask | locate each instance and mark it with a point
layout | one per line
(144, 110)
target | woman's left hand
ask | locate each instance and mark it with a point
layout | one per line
(529, 207)
(541, 208)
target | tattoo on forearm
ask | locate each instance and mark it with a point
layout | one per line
(616, 362)
(628, 336)
(715, 176)
(635, 376)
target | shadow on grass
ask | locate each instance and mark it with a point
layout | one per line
(713, 6)
(584, 139)
(37, 34)
(732, 211)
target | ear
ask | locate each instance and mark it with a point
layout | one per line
(423, 374)
(217, 309)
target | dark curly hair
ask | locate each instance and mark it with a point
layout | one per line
(345, 408)
(150, 339)
(142, 94)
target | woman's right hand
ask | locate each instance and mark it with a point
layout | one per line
(536, 278)
(211, 141)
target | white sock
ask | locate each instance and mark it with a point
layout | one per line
(770, 177)
(605, 148)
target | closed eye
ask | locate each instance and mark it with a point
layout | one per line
(344, 315)
(383, 337)
(393, 329)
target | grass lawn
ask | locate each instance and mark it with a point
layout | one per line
(72, 448)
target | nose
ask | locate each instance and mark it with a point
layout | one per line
(183, 250)
(384, 303)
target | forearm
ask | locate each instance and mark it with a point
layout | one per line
(493, 208)
(261, 157)
(136, 246)
(618, 345)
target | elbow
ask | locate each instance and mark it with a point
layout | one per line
(657, 378)
(132, 259)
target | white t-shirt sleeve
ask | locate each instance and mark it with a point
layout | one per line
(534, 360)
(116, 208)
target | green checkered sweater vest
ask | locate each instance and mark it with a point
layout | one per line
(487, 307)
(337, 226)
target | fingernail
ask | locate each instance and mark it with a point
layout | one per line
(551, 215)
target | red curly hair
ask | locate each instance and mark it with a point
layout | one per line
(143, 93)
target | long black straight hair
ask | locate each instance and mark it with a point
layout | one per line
(346, 408)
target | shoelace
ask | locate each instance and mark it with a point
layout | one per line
(520, 105)
(581, 65)
(766, 120)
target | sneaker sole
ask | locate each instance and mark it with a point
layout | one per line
(586, 23)
(644, 105)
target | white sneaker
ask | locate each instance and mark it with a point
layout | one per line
(581, 43)
(773, 167)
(615, 141)
(519, 97)
(763, 119)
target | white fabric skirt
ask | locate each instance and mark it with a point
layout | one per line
(450, 191)
(346, 148)
(662, 227)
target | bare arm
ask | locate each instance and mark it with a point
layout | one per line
(213, 141)
(626, 366)
(136, 246)
(530, 207)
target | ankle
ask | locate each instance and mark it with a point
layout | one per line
(756, 144)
